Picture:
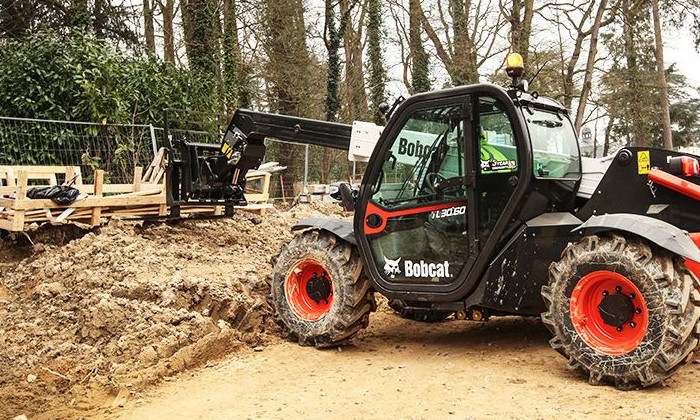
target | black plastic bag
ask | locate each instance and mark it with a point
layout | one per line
(59, 194)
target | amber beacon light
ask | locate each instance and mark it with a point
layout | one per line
(514, 65)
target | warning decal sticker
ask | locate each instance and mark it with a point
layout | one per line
(643, 163)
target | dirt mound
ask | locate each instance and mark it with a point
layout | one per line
(127, 304)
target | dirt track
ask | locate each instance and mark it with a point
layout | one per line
(403, 369)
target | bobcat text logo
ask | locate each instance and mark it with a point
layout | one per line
(417, 269)
(452, 211)
(424, 269)
(414, 148)
(391, 267)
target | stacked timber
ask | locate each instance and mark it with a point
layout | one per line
(99, 201)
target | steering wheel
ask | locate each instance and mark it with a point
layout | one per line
(432, 181)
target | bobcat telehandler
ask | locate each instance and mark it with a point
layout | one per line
(476, 202)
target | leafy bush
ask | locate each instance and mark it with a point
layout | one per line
(80, 78)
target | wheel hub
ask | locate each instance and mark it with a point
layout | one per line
(616, 309)
(309, 289)
(608, 312)
(319, 288)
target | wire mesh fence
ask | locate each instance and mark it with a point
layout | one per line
(118, 148)
(115, 148)
(200, 127)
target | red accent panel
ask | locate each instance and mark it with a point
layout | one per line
(675, 183)
(374, 209)
(692, 265)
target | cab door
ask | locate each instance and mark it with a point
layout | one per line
(418, 223)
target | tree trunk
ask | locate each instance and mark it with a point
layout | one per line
(187, 32)
(149, 32)
(331, 36)
(581, 35)
(661, 72)
(354, 73)
(420, 81)
(420, 77)
(377, 72)
(590, 64)
(232, 58)
(202, 51)
(168, 11)
(633, 73)
(288, 58)
(462, 68)
(608, 131)
(521, 16)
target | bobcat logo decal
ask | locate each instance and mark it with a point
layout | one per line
(391, 267)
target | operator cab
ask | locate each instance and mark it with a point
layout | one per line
(449, 179)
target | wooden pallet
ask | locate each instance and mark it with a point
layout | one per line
(143, 198)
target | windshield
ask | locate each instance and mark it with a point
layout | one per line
(554, 144)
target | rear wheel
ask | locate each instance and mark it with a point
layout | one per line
(318, 290)
(622, 310)
(407, 310)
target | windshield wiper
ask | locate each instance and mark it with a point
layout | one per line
(547, 123)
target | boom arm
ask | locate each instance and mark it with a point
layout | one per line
(206, 174)
(261, 125)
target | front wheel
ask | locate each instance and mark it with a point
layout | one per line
(318, 290)
(622, 310)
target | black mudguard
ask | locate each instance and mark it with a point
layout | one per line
(657, 231)
(340, 228)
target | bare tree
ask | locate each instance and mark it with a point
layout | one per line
(420, 79)
(167, 9)
(464, 37)
(590, 63)
(149, 32)
(661, 74)
(354, 86)
(520, 16)
(577, 17)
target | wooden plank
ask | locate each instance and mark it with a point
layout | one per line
(159, 176)
(36, 169)
(257, 198)
(21, 185)
(116, 188)
(97, 192)
(79, 180)
(11, 179)
(18, 221)
(106, 188)
(112, 201)
(70, 174)
(138, 173)
(7, 225)
(155, 165)
(63, 216)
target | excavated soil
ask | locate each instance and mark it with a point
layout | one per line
(170, 320)
(89, 317)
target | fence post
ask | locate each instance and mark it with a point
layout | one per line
(153, 139)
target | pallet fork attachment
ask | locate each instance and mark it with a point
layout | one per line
(201, 173)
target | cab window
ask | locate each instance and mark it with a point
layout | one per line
(497, 149)
(554, 146)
